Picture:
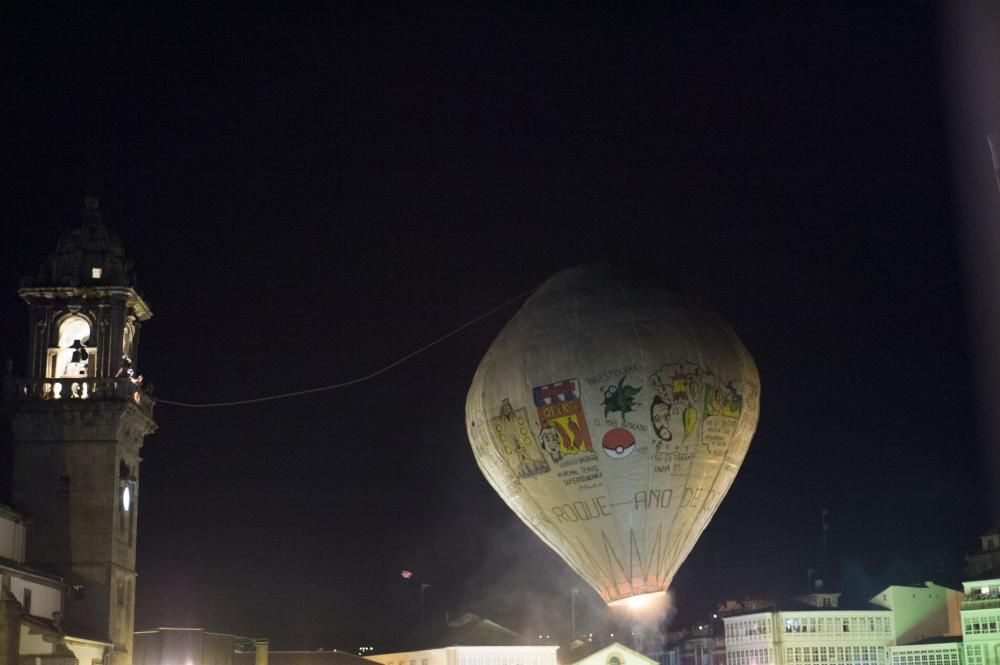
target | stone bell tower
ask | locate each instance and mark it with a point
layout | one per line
(78, 421)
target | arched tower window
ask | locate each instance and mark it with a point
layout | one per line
(72, 355)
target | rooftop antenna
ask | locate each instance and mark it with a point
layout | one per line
(572, 612)
(825, 527)
(424, 586)
(993, 140)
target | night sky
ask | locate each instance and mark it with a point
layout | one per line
(310, 195)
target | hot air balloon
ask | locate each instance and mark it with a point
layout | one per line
(611, 414)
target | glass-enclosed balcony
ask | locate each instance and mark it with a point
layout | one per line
(981, 597)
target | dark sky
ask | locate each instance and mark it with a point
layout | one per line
(309, 195)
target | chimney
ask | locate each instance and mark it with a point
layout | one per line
(260, 648)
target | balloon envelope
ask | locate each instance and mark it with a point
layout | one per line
(612, 415)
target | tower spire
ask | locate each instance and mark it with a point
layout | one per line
(91, 213)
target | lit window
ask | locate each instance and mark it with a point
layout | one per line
(96, 272)
(71, 355)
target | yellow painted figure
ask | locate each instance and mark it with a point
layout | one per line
(611, 415)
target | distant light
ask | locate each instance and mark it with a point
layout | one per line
(715, 616)
(406, 574)
(985, 590)
(96, 273)
(612, 634)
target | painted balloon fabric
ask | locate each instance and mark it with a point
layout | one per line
(612, 414)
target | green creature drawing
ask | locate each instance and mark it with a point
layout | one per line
(620, 398)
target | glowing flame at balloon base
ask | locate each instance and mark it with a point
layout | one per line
(646, 615)
(641, 602)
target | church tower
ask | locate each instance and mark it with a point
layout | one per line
(78, 420)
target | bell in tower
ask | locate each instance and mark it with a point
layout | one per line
(78, 419)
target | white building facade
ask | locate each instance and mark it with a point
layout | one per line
(472, 655)
(980, 632)
(32, 605)
(981, 622)
(922, 613)
(810, 637)
(933, 653)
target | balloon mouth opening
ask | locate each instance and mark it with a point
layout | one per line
(639, 602)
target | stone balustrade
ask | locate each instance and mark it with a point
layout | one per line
(122, 389)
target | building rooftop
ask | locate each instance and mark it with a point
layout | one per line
(334, 657)
(80, 251)
(8, 513)
(955, 639)
(468, 630)
(30, 572)
(794, 605)
(471, 630)
(587, 649)
(580, 650)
